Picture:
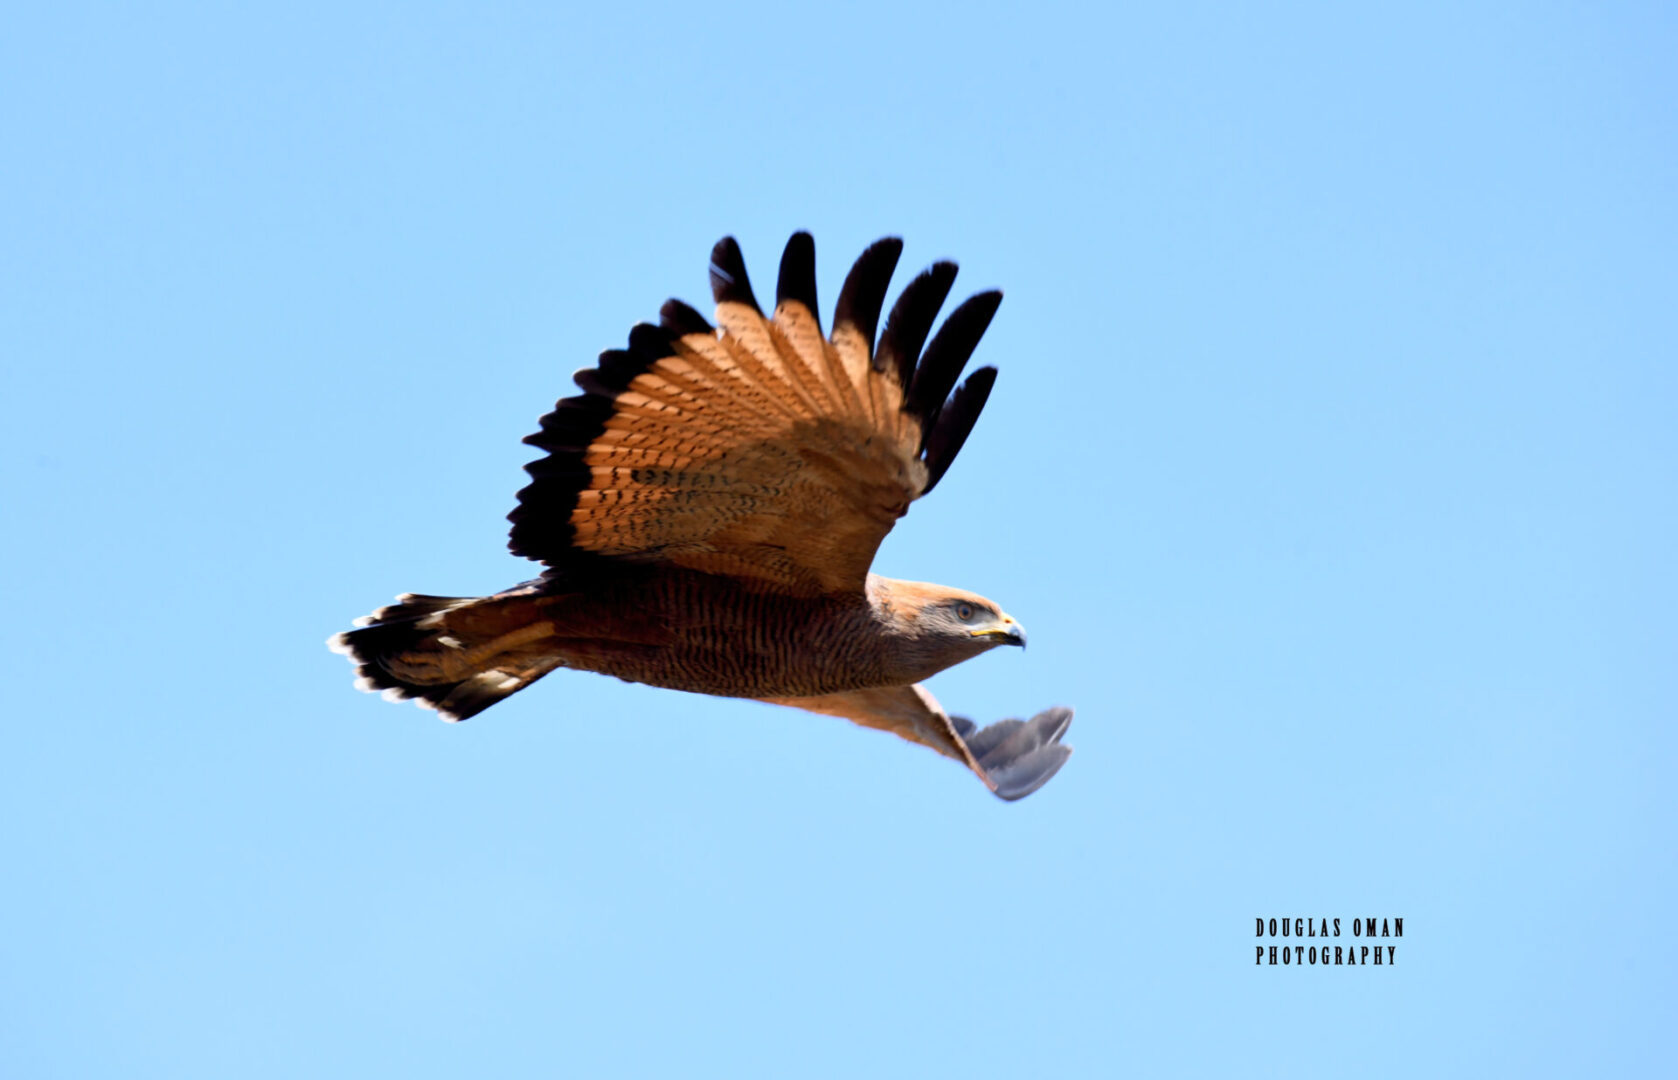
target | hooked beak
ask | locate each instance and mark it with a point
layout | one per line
(1009, 633)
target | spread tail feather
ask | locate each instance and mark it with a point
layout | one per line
(456, 655)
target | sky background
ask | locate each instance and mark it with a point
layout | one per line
(1332, 467)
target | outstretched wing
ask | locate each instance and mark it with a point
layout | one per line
(1013, 757)
(760, 449)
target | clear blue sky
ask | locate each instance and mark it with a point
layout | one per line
(1332, 467)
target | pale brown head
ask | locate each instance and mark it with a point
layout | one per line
(934, 627)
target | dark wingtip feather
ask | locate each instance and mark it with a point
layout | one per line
(911, 319)
(679, 318)
(574, 423)
(649, 344)
(951, 347)
(797, 282)
(955, 423)
(729, 283)
(541, 521)
(865, 288)
(617, 368)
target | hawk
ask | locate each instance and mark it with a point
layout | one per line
(707, 512)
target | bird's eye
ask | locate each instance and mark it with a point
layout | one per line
(964, 612)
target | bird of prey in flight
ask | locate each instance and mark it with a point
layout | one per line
(707, 512)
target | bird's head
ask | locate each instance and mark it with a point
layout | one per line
(940, 626)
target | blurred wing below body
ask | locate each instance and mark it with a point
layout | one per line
(1013, 757)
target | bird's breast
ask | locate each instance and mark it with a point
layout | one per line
(712, 636)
